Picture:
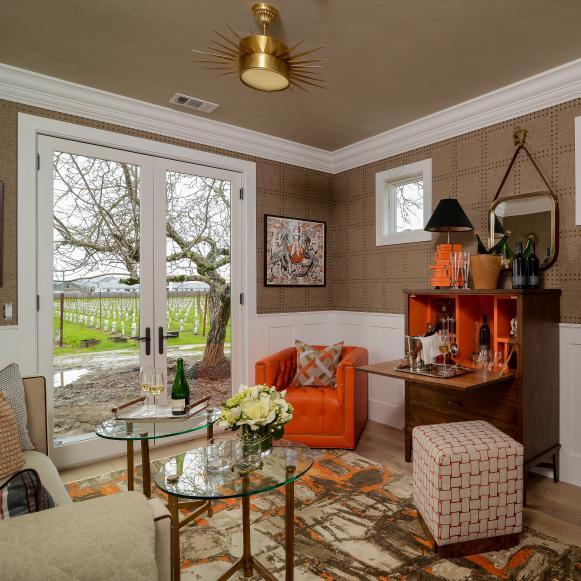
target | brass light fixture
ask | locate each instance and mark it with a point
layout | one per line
(263, 62)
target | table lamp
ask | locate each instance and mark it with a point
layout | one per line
(447, 217)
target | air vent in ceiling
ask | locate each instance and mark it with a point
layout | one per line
(193, 103)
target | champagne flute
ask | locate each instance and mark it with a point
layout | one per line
(444, 348)
(157, 386)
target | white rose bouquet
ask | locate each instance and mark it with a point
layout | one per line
(257, 407)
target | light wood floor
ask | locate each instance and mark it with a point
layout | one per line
(554, 509)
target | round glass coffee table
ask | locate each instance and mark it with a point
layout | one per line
(144, 431)
(186, 477)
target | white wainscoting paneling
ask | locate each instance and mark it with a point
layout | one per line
(10, 347)
(383, 336)
(570, 390)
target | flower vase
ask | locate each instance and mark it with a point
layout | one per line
(265, 440)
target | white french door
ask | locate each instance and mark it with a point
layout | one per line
(128, 246)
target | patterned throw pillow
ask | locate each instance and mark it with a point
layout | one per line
(11, 459)
(317, 368)
(23, 494)
(12, 387)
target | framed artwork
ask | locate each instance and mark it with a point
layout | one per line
(295, 252)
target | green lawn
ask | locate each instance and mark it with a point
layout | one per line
(74, 333)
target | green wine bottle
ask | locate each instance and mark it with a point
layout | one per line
(180, 391)
(480, 245)
(502, 247)
(529, 247)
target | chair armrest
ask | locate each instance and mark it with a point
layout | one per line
(163, 523)
(353, 357)
(36, 411)
(278, 369)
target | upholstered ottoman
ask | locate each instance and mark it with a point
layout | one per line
(468, 486)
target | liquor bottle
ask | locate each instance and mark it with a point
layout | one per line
(519, 268)
(480, 245)
(180, 391)
(533, 268)
(484, 334)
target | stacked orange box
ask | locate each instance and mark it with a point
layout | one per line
(442, 270)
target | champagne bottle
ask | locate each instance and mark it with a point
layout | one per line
(519, 268)
(180, 391)
(499, 246)
(480, 245)
(533, 268)
(484, 334)
(528, 247)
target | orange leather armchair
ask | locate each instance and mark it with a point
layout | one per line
(325, 417)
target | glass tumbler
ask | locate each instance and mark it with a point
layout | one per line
(218, 455)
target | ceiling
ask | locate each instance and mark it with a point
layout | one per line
(389, 61)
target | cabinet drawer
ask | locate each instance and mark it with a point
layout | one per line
(420, 415)
(468, 406)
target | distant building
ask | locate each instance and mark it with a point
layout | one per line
(107, 283)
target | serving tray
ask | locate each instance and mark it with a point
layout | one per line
(435, 370)
(138, 410)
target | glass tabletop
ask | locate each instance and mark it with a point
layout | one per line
(286, 462)
(117, 429)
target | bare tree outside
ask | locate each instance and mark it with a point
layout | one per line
(409, 201)
(96, 217)
(198, 240)
(96, 265)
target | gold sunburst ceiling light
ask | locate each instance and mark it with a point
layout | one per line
(263, 62)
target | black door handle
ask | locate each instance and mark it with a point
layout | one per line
(146, 340)
(168, 335)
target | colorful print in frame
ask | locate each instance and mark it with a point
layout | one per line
(295, 251)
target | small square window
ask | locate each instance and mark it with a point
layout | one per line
(403, 203)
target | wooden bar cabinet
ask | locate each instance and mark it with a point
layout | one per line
(524, 401)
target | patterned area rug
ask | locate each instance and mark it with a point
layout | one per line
(354, 520)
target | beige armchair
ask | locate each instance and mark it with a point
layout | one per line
(29, 529)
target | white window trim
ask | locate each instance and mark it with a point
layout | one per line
(382, 199)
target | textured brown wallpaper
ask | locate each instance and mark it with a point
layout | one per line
(470, 167)
(361, 276)
(281, 189)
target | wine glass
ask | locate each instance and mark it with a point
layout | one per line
(444, 348)
(145, 381)
(157, 386)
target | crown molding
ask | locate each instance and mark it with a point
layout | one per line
(546, 89)
(46, 92)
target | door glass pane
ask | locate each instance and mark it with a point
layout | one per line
(198, 281)
(95, 290)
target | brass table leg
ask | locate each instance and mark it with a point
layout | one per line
(145, 467)
(246, 550)
(289, 537)
(247, 563)
(210, 428)
(210, 436)
(172, 503)
(130, 466)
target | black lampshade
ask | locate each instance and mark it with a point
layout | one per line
(449, 217)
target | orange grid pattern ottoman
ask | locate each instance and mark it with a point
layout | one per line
(468, 484)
